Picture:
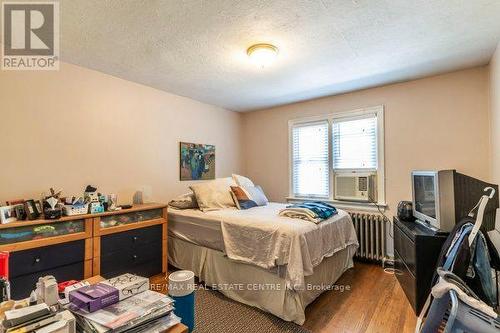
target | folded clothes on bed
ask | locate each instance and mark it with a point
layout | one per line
(314, 211)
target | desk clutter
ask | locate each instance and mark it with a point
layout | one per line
(54, 205)
(121, 304)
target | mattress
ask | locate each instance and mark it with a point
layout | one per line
(196, 227)
(259, 236)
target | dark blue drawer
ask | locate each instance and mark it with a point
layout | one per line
(131, 239)
(127, 256)
(21, 286)
(47, 257)
(138, 267)
(137, 251)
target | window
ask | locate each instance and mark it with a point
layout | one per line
(310, 160)
(354, 143)
(321, 147)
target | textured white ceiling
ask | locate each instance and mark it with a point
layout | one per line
(197, 48)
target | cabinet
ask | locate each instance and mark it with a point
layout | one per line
(137, 251)
(78, 247)
(62, 248)
(134, 240)
(416, 252)
(65, 261)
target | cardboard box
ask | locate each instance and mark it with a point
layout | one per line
(128, 284)
(94, 297)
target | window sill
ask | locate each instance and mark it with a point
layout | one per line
(346, 205)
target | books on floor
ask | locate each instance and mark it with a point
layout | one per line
(39, 319)
(147, 311)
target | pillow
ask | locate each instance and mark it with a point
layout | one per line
(248, 196)
(242, 181)
(214, 194)
(185, 201)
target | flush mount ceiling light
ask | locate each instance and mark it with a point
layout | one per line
(262, 54)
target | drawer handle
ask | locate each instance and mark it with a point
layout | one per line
(134, 256)
(135, 238)
(37, 260)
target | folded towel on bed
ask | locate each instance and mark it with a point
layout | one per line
(314, 211)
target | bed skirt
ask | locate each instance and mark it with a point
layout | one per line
(256, 286)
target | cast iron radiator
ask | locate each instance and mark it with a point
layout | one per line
(371, 232)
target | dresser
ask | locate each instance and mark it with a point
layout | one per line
(416, 252)
(77, 247)
(132, 241)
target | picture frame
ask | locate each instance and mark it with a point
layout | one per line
(7, 214)
(20, 212)
(32, 211)
(38, 205)
(196, 161)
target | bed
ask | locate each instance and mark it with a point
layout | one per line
(256, 257)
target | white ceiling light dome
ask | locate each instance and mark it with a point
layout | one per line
(262, 54)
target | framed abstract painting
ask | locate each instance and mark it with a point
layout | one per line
(197, 161)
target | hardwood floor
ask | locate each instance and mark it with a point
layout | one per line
(374, 303)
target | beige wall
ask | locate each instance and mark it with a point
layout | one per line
(495, 115)
(434, 123)
(77, 126)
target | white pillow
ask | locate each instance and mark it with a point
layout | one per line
(242, 181)
(247, 197)
(257, 194)
(214, 194)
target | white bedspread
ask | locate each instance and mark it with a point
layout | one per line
(261, 237)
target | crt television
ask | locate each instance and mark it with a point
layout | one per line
(442, 198)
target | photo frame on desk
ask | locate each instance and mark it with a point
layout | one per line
(38, 205)
(20, 212)
(31, 209)
(7, 214)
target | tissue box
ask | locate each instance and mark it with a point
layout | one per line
(128, 284)
(94, 297)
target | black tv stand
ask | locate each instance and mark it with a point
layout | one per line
(416, 252)
(432, 229)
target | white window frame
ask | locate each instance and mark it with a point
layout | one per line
(312, 123)
(378, 111)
